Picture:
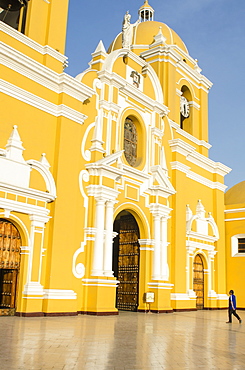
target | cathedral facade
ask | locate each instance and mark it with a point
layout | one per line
(108, 198)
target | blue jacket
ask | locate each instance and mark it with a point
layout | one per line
(232, 299)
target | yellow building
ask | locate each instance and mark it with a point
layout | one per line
(235, 239)
(125, 210)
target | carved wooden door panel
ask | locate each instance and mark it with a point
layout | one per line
(9, 266)
(198, 281)
(128, 264)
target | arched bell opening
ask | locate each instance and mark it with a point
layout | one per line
(10, 244)
(126, 255)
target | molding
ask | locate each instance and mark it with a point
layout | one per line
(146, 249)
(101, 282)
(199, 246)
(59, 294)
(180, 146)
(222, 297)
(198, 178)
(26, 192)
(188, 136)
(146, 241)
(234, 210)
(31, 43)
(205, 238)
(37, 72)
(163, 53)
(103, 192)
(180, 297)
(127, 89)
(109, 106)
(33, 290)
(235, 219)
(158, 285)
(40, 103)
(23, 207)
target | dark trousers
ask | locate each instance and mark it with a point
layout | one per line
(233, 312)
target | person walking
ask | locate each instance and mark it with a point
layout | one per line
(232, 307)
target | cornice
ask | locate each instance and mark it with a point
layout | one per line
(161, 52)
(179, 146)
(31, 43)
(28, 67)
(124, 87)
(198, 178)
(205, 238)
(109, 106)
(27, 192)
(40, 103)
(188, 136)
(235, 210)
(102, 192)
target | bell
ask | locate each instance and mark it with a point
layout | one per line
(12, 5)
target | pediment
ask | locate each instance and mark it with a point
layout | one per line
(161, 181)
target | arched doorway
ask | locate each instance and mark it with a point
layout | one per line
(10, 243)
(198, 281)
(126, 254)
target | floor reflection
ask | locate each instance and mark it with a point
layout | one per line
(186, 340)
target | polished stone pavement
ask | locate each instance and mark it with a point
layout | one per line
(183, 340)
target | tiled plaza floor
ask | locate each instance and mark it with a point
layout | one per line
(185, 340)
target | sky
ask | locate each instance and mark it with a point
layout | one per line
(214, 33)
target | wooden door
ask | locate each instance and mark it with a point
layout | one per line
(128, 264)
(9, 266)
(198, 281)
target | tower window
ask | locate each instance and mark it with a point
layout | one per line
(241, 245)
(13, 13)
(130, 141)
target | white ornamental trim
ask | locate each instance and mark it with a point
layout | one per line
(179, 297)
(188, 136)
(235, 210)
(59, 294)
(31, 43)
(40, 103)
(235, 219)
(101, 282)
(198, 178)
(162, 54)
(129, 90)
(165, 286)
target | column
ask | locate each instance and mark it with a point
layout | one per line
(33, 284)
(107, 265)
(157, 249)
(164, 249)
(97, 269)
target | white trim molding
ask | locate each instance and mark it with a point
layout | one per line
(59, 294)
(40, 103)
(101, 282)
(161, 286)
(234, 245)
(31, 43)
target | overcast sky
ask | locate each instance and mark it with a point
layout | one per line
(214, 33)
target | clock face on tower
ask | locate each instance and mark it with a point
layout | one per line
(184, 107)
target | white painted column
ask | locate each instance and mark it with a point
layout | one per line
(33, 283)
(97, 269)
(157, 249)
(107, 265)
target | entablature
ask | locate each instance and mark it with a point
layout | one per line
(191, 155)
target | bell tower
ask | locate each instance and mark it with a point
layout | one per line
(43, 21)
(146, 12)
